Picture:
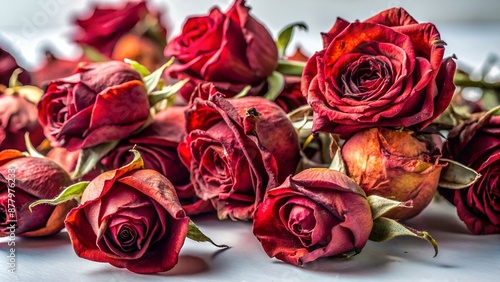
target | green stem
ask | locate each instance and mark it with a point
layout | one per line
(466, 82)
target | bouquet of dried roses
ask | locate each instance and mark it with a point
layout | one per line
(319, 153)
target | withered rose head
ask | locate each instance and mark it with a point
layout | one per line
(476, 143)
(316, 213)
(230, 49)
(24, 180)
(158, 147)
(130, 218)
(18, 115)
(101, 102)
(386, 71)
(8, 65)
(395, 165)
(235, 149)
(104, 28)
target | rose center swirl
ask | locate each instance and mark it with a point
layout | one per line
(364, 78)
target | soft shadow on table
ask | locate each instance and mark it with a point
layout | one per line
(443, 219)
(187, 265)
(48, 242)
(377, 258)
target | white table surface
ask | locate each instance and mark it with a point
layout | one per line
(462, 257)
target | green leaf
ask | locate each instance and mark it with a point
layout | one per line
(380, 205)
(285, 35)
(276, 83)
(151, 81)
(195, 234)
(456, 175)
(93, 54)
(243, 92)
(29, 147)
(386, 229)
(89, 157)
(72, 192)
(142, 70)
(166, 92)
(292, 68)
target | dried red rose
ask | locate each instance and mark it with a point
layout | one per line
(101, 102)
(316, 213)
(476, 143)
(235, 149)
(24, 180)
(386, 71)
(130, 218)
(107, 25)
(231, 50)
(158, 147)
(8, 65)
(18, 115)
(395, 165)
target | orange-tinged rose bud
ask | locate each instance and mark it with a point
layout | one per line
(395, 165)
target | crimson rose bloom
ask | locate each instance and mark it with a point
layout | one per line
(235, 149)
(387, 71)
(158, 147)
(129, 218)
(317, 213)
(7, 66)
(24, 180)
(107, 25)
(101, 102)
(18, 116)
(476, 143)
(230, 49)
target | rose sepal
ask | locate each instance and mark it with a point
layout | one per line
(152, 80)
(89, 157)
(73, 192)
(195, 234)
(456, 175)
(385, 229)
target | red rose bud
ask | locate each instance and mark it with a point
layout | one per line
(387, 71)
(317, 213)
(130, 218)
(476, 143)
(235, 149)
(101, 102)
(394, 165)
(106, 26)
(230, 49)
(8, 65)
(158, 147)
(18, 115)
(24, 180)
